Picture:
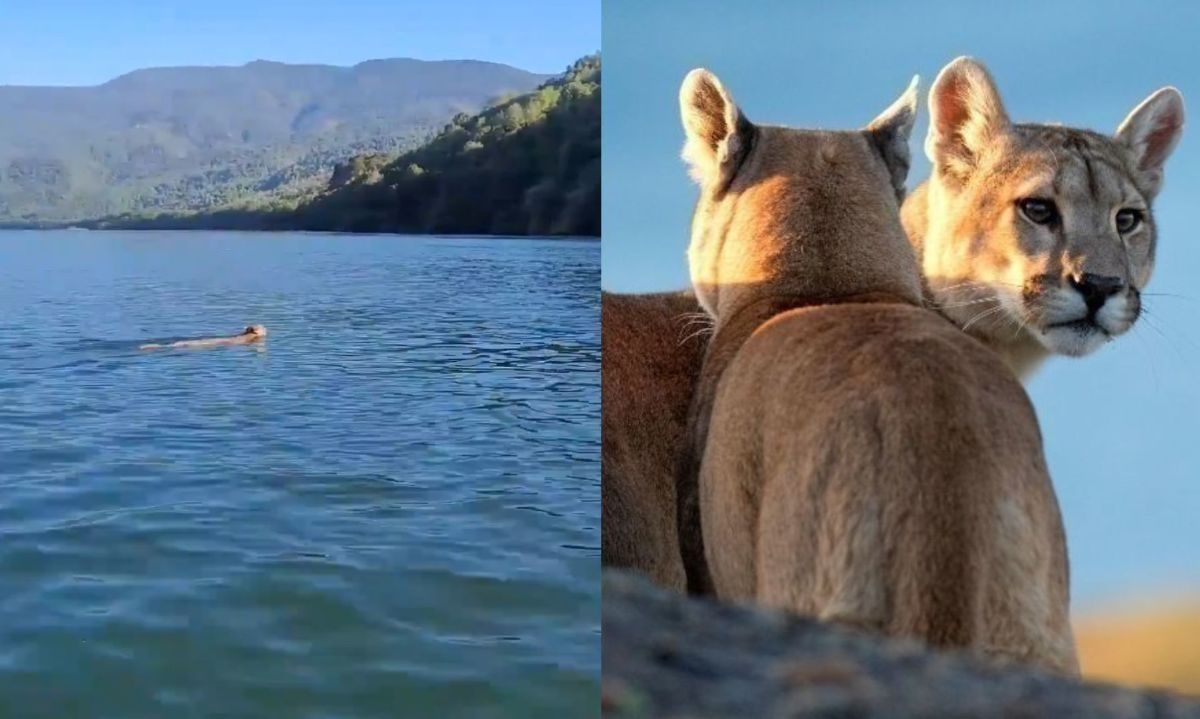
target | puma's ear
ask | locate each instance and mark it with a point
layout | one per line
(965, 115)
(1151, 131)
(718, 135)
(890, 133)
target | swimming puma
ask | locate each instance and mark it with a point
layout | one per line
(851, 455)
(253, 333)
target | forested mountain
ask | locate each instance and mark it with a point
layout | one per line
(175, 139)
(529, 165)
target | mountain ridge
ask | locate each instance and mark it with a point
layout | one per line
(266, 62)
(528, 165)
(190, 137)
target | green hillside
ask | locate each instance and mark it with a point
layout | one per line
(529, 165)
(189, 138)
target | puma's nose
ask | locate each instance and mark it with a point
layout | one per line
(1096, 289)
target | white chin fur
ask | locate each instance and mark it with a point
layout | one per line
(1114, 315)
(1066, 306)
(1071, 341)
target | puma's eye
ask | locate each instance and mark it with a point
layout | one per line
(1128, 220)
(1041, 212)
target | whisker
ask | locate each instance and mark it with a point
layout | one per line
(966, 303)
(698, 333)
(1023, 320)
(1172, 296)
(688, 320)
(943, 288)
(981, 315)
(1148, 314)
(1152, 324)
(977, 283)
(1144, 346)
(690, 317)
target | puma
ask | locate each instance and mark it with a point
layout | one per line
(951, 241)
(250, 335)
(851, 455)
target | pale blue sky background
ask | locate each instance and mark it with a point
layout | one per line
(1122, 427)
(86, 42)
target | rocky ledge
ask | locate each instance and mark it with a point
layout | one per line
(669, 656)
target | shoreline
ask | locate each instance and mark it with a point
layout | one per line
(445, 235)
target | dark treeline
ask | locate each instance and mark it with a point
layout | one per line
(529, 165)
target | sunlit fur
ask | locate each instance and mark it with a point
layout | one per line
(653, 345)
(1006, 279)
(851, 455)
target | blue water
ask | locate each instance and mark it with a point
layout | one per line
(390, 508)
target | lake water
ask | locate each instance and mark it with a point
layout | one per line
(390, 508)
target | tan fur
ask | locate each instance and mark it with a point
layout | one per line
(651, 346)
(1006, 279)
(252, 334)
(857, 457)
(835, 499)
(640, 365)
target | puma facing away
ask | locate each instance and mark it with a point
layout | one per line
(639, 434)
(851, 455)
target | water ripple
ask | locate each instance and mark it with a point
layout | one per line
(394, 500)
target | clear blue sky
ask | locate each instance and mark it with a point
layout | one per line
(85, 42)
(1122, 427)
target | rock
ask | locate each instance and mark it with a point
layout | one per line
(665, 655)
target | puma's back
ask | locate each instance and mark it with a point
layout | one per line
(873, 465)
(852, 455)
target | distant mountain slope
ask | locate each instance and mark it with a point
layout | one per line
(171, 139)
(529, 165)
